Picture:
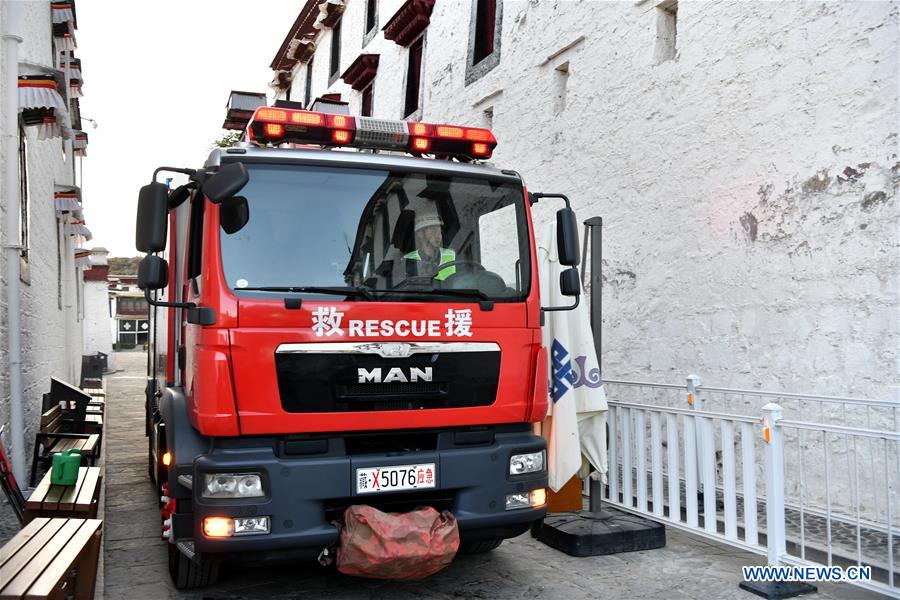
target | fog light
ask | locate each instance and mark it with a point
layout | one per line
(533, 462)
(538, 497)
(251, 525)
(217, 527)
(520, 500)
(232, 485)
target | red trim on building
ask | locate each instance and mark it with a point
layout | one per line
(409, 22)
(361, 73)
(97, 273)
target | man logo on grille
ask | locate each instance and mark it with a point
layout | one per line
(395, 375)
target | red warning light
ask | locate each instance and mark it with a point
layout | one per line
(340, 136)
(480, 149)
(446, 131)
(421, 144)
(274, 129)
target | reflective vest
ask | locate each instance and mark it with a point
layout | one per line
(448, 255)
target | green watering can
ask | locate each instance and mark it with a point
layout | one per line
(64, 469)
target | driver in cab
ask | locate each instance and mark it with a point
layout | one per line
(430, 254)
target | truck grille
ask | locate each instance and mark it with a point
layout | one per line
(330, 382)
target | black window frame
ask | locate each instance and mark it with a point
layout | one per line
(307, 96)
(367, 103)
(334, 67)
(371, 20)
(24, 234)
(412, 100)
(485, 29)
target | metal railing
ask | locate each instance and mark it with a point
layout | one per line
(830, 493)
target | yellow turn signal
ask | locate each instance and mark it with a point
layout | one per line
(216, 527)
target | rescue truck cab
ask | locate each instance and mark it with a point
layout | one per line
(353, 321)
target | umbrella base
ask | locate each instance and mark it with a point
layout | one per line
(608, 531)
(775, 590)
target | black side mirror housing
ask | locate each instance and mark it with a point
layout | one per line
(152, 224)
(234, 213)
(569, 282)
(567, 237)
(179, 195)
(153, 273)
(227, 182)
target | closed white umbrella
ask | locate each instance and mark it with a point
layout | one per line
(576, 429)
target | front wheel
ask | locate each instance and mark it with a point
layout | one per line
(189, 574)
(479, 547)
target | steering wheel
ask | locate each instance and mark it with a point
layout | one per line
(472, 275)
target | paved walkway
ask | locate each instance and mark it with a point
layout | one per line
(135, 558)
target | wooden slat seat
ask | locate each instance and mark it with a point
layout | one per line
(51, 558)
(79, 500)
(57, 435)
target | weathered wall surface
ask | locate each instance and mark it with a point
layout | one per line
(748, 186)
(50, 300)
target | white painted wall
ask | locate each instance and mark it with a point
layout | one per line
(748, 186)
(51, 321)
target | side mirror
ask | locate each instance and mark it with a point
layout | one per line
(234, 213)
(227, 182)
(567, 237)
(153, 273)
(152, 218)
(569, 282)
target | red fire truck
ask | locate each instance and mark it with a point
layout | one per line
(353, 318)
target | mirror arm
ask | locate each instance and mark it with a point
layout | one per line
(188, 172)
(535, 196)
(573, 307)
(153, 302)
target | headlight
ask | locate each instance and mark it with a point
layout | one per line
(232, 485)
(533, 462)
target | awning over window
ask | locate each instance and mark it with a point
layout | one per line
(77, 227)
(361, 73)
(82, 258)
(64, 37)
(330, 12)
(408, 22)
(79, 143)
(63, 12)
(67, 199)
(74, 65)
(281, 81)
(41, 104)
(301, 50)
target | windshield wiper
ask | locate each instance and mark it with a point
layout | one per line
(312, 289)
(436, 292)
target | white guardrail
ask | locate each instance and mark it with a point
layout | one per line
(793, 489)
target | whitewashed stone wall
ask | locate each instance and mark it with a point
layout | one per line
(748, 185)
(51, 317)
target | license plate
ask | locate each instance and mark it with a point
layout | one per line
(371, 480)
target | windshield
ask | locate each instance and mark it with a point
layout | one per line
(376, 234)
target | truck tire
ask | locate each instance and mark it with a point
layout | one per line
(479, 547)
(189, 574)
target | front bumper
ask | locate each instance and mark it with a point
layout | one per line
(305, 494)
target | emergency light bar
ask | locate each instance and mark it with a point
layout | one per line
(285, 125)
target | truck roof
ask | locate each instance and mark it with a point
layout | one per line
(353, 158)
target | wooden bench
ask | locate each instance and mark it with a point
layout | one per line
(53, 438)
(51, 558)
(79, 500)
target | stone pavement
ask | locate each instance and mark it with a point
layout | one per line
(135, 558)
